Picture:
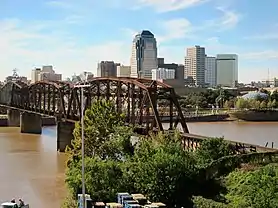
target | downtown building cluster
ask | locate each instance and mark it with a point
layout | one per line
(198, 68)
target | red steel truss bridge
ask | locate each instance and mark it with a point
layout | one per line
(144, 102)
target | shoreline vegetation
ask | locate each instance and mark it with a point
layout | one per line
(118, 160)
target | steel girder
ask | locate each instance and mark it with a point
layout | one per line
(143, 101)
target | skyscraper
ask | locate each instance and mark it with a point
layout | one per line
(227, 70)
(195, 64)
(144, 55)
(210, 72)
(35, 75)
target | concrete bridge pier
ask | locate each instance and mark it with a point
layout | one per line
(64, 135)
(13, 118)
(30, 123)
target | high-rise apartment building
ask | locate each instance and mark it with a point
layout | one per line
(123, 71)
(107, 69)
(227, 70)
(210, 72)
(195, 64)
(144, 55)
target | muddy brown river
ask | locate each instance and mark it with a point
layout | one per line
(31, 168)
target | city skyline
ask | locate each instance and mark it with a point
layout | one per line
(73, 37)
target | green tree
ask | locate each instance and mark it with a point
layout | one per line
(163, 171)
(253, 188)
(156, 165)
(274, 95)
(274, 103)
(201, 202)
(210, 96)
(213, 149)
(103, 178)
(269, 104)
(257, 104)
(242, 103)
(107, 144)
(263, 105)
(226, 105)
(105, 133)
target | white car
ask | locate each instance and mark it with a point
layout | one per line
(12, 205)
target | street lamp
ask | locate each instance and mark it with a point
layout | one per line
(82, 141)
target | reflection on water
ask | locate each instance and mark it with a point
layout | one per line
(31, 168)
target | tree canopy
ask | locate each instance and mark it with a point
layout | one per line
(207, 98)
(247, 188)
(258, 188)
(155, 165)
(118, 160)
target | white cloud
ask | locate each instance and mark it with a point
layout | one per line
(171, 30)
(74, 19)
(169, 5)
(261, 55)
(59, 4)
(213, 45)
(24, 49)
(228, 20)
(270, 36)
(182, 28)
(176, 29)
(130, 33)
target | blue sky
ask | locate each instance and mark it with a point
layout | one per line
(74, 35)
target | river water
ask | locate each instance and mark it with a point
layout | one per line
(31, 168)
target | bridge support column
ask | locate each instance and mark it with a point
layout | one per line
(30, 123)
(13, 118)
(64, 135)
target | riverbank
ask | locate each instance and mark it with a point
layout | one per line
(255, 115)
(46, 121)
(202, 118)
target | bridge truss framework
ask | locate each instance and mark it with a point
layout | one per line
(144, 102)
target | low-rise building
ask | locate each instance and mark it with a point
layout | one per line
(123, 71)
(45, 74)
